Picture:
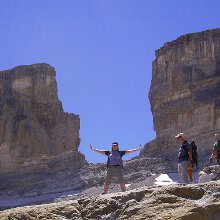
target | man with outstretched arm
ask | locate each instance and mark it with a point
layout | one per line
(114, 165)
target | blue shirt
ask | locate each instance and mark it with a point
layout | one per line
(114, 157)
(183, 152)
(122, 153)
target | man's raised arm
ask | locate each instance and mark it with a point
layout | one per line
(133, 150)
(97, 150)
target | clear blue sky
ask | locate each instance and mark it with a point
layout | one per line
(102, 51)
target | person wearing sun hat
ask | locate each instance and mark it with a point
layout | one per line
(114, 164)
(184, 158)
(216, 150)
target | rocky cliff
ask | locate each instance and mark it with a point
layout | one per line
(35, 133)
(185, 92)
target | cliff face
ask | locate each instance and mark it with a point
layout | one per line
(35, 133)
(185, 91)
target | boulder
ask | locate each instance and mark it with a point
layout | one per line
(211, 173)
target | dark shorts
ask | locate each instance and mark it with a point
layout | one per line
(114, 171)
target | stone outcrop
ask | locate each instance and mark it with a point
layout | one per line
(197, 202)
(185, 92)
(35, 133)
(211, 173)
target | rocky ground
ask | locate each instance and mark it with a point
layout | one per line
(76, 194)
(24, 189)
(86, 176)
(197, 202)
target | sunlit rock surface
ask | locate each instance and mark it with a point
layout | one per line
(185, 92)
(197, 202)
(35, 133)
(211, 173)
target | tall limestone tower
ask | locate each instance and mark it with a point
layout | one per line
(185, 92)
(35, 133)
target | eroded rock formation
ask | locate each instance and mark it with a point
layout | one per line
(197, 202)
(35, 133)
(185, 92)
(211, 173)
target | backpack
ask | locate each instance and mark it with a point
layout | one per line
(218, 152)
(114, 159)
(194, 153)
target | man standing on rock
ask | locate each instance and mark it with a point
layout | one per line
(184, 158)
(114, 165)
(216, 150)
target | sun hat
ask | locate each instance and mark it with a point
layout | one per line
(180, 135)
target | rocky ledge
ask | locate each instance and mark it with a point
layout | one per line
(197, 202)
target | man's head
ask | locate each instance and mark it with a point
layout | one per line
(115, 146)
(180, 137)
(217, 137)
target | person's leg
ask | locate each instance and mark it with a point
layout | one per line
(119, 174)
(184, 166)
(179, 173)
(182, 171)
(123, 187)
(190, 173)
(105, 188)
(107, 180)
